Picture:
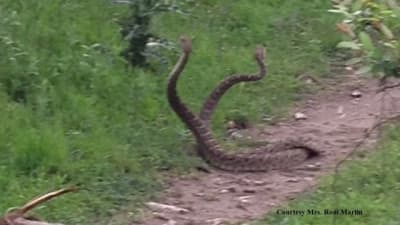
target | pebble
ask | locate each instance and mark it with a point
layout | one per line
(300, 116)
(356, 94)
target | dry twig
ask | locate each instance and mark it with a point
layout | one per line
(18, 216)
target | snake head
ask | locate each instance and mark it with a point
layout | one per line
(259, 53)
(186, 44)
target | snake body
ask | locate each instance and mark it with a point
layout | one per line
(213, 99)
(279, 156)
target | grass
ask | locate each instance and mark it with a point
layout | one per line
(372, 186)
(73, 113)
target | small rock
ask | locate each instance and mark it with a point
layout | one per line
(199, 194)
(249, 191)
(340, 110)
(216, 221)
(300, 116)
(259, 182)
(245, 181)
(309, 81)
(356, 94)
(293, 180)
(218, 181)
(245, 199)
(229, 189)
(312, 167)
(231, 125)
(170, 222)
(348, 68)
(308, 178)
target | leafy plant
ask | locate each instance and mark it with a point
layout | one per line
(136, 28)
(372, 31)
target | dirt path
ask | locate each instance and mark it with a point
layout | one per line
(336, 120)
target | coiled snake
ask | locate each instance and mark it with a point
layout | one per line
(285, 154)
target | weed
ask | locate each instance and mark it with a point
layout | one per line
(371, 30)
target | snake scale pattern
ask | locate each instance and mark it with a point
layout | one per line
(281, 155)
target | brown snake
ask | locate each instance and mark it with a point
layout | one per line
(279, 156)
(213, 99)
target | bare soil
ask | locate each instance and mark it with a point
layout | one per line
(336, 121)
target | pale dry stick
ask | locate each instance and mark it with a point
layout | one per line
(282, 155)
(23, 221)
(10, 217)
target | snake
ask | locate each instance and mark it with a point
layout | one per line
(213, 99)
(280, 155)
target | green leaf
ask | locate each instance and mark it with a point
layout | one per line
(340, 11)
(386, 31)
(366, 41)
(357, 5)
(390, 45)
(354, 61)
(392, 4)
(348, 44)
(396, 12)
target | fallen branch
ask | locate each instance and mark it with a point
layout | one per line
(23, 221)
(387, 87)
(17, 216)
(155, 206)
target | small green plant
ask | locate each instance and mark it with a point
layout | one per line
(372, 31)
(136, 28)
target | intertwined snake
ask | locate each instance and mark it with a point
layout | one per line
(278, 156)
(213, 99)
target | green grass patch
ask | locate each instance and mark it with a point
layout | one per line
(371, 185)
(73, 113)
